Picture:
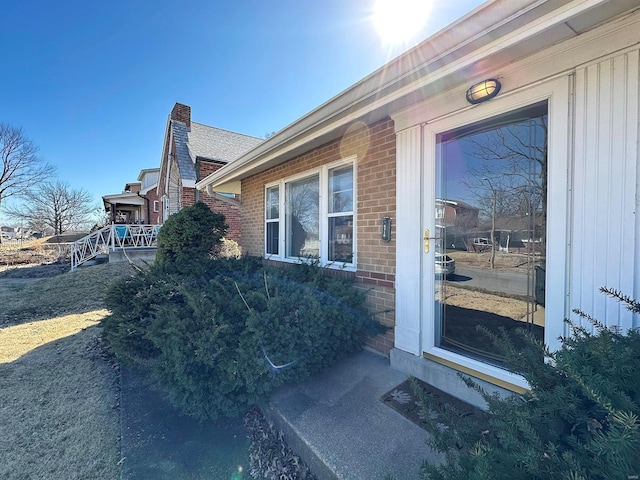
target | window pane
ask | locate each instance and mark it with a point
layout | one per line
(272, 203)
(491, 213)
(302, 223)
(341, 189)
(341, 239)
(273, 237)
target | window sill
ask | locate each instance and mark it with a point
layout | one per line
(345, 267)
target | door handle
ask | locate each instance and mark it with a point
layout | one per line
(426, 239)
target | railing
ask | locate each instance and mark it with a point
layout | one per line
(111, 237)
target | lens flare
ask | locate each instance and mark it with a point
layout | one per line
(398, 21)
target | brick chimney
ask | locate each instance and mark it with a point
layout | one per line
(182, 113)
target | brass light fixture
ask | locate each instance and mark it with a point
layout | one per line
(483, 91)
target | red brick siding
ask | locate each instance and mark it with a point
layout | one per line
(207, 168)
(154, 217)
(229, 208)
(231, 212)
(376, 198)
(182, 113)
(187, 196)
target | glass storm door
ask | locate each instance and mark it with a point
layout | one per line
(490, 235)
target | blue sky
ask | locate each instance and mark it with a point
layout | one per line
(92, 83)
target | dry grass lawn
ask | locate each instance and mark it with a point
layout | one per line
(504, 306)
(59, 387)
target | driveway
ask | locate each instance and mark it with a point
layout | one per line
(510, 283)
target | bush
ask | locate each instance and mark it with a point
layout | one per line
(227, 249)
(579, 421)
(220, 339)
(189, 236)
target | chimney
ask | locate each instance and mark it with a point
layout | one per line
(182, 113)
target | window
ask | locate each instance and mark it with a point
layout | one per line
(496, 170)
(318, 220)
(272, 219)
(341, 214)
(303, 218)
(156, 206)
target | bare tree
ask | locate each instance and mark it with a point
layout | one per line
(21, 168)
(54, 206)
(509, 176)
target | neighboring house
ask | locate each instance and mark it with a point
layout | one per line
(456, 221)
(519, 233)
(138, 203)
(192, 151)
(148, 179)
(126, 207)
(405, 136)
(455, 213)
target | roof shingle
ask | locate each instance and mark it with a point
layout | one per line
(210, 143)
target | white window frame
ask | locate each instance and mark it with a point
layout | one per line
(156, 206)
(273, 220)
(323, 179)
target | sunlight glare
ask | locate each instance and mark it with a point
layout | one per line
(397, 21)
(18, 340)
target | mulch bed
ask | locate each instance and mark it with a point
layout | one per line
(270, 457)
(404, 401)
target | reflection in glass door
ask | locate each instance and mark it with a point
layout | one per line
(491, 210)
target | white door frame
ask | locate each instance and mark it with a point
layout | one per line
(557, 92)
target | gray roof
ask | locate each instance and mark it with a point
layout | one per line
(185, 164)
(217, 144)
(210, 143)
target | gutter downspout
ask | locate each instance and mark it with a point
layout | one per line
(146, 202)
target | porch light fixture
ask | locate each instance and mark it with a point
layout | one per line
(483, 91)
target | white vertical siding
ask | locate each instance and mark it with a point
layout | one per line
(605, 244)
(409, 240)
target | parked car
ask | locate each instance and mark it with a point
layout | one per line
(445, 265)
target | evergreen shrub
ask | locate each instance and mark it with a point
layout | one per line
(189, 236)
(580, 420)
(220, 336)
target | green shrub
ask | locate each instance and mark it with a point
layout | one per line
(208, 337)
(580, 419)
(189, 236)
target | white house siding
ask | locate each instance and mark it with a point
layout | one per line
(408, 288)
(605, 239)
(173, 189)
(594, 230)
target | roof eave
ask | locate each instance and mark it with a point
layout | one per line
(495, 28)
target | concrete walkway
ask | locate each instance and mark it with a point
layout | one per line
(335, 422)
(342, 430)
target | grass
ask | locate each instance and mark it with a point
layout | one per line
(59, 405)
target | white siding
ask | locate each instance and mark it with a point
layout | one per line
(409, 240)
(174, 189)
(605, 242)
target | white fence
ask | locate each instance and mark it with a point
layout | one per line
(110, 238)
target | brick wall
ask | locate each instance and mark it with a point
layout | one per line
(182, 113)
(229, 207)
(206, 168)
(231, 210)
(154, 218)
(187, 197)
(375, 146)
